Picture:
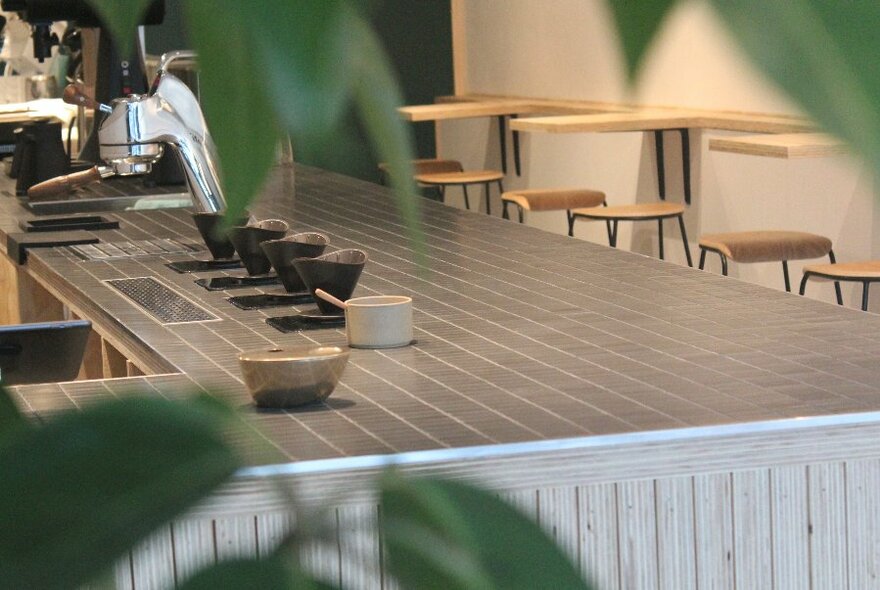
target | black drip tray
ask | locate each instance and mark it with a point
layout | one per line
(89, 222)
(161, 302)
(185, 266)
(306, 321)
(223, 283)
(270, 300)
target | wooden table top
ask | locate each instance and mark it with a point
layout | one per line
(786, 145)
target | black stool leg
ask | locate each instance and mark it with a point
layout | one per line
(836, 283)
(804, 284)
(467, 203)
(702, 258)
(570, 218)
(865, 286)
(723, 263)
(686, 162)
(504, 213)
(684, 238)
(442, 190)
(660, 234)
(612, 236)
(785, 275)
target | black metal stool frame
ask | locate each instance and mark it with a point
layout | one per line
(785, 275)
(464, 185)
(611, 225)
(865, 281)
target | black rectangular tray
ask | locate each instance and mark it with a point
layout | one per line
(185, 266)
(264, 300)
(305, 321)
(88, 222)
(224, 283)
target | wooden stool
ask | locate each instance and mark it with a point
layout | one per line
(442, 180)
(863, 272)
(638, 212)
(765, 246)
(425, 166)
(540, 199)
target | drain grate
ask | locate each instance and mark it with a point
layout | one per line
(163, 303)
(113, 250)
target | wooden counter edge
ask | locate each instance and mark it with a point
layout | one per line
(793, 145)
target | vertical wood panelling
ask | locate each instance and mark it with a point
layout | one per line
(235, 536)
(751, 529)
(597, 508)
(674, 501)
(558, 516)
(359, 547)
(827, 503)
(122, 573)
(791, 544)
(526, 501)
(713, 522)
(637, 537)
(153, 562)
(193, 546)
(863, 523)
(272, 527)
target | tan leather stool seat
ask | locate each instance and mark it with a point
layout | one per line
(767, 246)
(429, 166)
(632, 212)
(468, 177)
(554, 199)
(855, 271)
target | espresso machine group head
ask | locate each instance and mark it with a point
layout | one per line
(136, 128)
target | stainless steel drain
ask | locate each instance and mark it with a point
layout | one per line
(163, 303)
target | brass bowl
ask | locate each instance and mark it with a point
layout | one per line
(290, 377)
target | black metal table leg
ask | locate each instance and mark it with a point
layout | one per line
(865, 286)
(517, 165)
(686, 162)
(661, 167)
(660, 236)
(785, 275)
(502, 136)
(684, 238)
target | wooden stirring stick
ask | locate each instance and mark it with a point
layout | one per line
(331, 299)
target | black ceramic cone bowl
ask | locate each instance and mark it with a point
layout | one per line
(336, 272)
(281, 254)
(218, 244)
(247, 239)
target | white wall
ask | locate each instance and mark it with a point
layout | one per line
(567, 49)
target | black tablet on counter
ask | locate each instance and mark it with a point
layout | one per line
(45, 352)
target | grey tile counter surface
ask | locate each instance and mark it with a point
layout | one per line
(521, 335)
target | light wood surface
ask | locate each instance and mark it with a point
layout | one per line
(636, 211)
(785, 145)
(465, 110)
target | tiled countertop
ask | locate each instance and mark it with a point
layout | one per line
(521, 335)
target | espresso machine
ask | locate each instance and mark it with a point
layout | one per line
(113, 79)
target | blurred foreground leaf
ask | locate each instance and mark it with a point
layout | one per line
(9, 414)
(823, 53)
(443, 534)
(236, 106)
(80, 490)
(638, 24)
(122, 17)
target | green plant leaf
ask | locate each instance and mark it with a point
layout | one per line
(84, 487)
(377, 97)
(234, 100)
(273, 573)
(10, 416)
(122, 18)
(444, 534)
(823, 54)
(305, 52)
(638, 22)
